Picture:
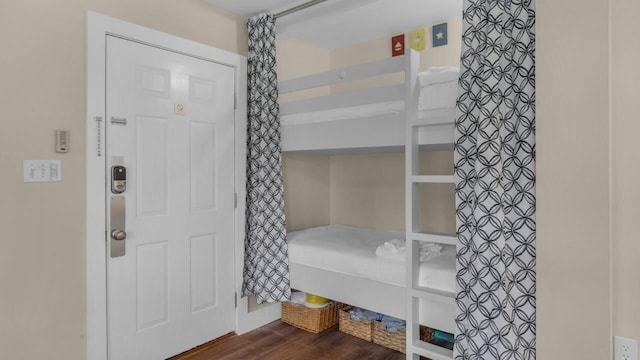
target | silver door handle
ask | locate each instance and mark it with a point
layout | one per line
(118, 234)
(118, 226)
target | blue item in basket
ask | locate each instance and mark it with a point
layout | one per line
(393, 324)
(441, 335)
(358, 314)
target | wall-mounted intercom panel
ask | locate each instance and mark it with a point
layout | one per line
(62, 141)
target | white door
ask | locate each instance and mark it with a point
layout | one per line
(170, 124)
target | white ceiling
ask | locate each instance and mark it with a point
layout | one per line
(339, 23)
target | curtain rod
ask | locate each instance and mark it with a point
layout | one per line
(298, 8)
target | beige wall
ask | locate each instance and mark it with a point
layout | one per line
(573, 317)
(367, 190)
(42, 67)
(626, 167)
(306, 190)
(306, 177)
(296, 58)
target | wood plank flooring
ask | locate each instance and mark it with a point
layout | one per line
(279, 341)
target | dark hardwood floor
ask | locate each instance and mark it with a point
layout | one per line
(279, 341)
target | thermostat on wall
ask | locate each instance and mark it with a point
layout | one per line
(62, 141)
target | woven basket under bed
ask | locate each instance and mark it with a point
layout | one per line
(397, 341)
(312, 320)
(387, 339)
(361, 329)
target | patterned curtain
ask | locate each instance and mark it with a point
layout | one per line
(495, 183)
(266, 264)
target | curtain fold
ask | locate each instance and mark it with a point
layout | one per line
(495, 182)
(266, 264)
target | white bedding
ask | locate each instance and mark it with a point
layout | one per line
(438, 95)
(351, 250)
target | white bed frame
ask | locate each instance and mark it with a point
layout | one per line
(350, 289)
(380, 133)
(383, 133)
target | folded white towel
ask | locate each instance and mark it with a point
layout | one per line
(438, 75)
(396, 249)
(429, 250)
(392, 249)
(394, 245)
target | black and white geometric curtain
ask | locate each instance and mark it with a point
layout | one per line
(495, 183)
(266, 263)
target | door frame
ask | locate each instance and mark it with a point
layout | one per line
(98, 28)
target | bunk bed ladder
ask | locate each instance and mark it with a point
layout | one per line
(415, 348)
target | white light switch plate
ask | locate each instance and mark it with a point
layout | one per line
(42, 170)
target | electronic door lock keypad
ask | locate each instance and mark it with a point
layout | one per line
(118, 179)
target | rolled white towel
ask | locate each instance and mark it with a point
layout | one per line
(298, 297)
(397, 249)
(438, 75)
(394, 245)
(392, 249)
(429, 250)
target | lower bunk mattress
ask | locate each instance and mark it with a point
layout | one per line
(350, 252)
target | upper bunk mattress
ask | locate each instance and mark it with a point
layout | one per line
(352, 250)
(438, 90)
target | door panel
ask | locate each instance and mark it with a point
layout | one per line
(152, 168)
(203, 167)
(174, 133)
(203, 273)
(152, 290)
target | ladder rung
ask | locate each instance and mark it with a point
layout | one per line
(433, 179)
(431, 351)
(434, 237)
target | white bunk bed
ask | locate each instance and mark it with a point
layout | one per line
(341, 260)
(379, 119)
(373, 118)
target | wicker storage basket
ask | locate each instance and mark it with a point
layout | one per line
(397, 341)
(387, 339)
(426, 333)
(312, 320)
(360, 329)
